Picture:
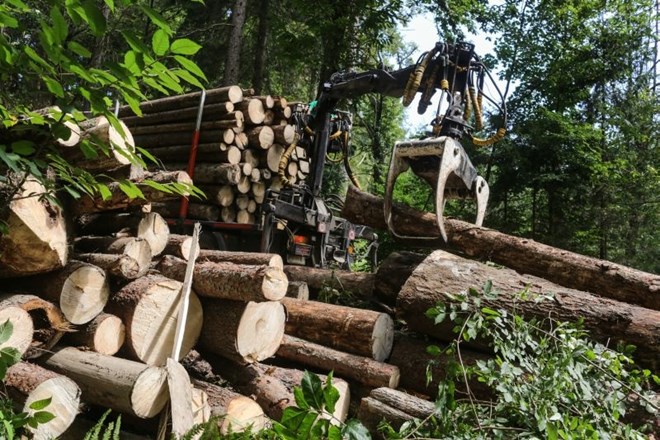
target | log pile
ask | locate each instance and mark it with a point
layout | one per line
(242, 139)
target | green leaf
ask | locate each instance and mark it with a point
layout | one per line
(160, 42)
(79, 49)
(93, 16)
(312, 389)
(18, 4)
(190, 66)
(104, 191)
(157, 19)
(184, 46)
(134, 42)
(300, 398)
(6, 329)
(111, 4)
(334, 433)
(37, 59)
(187, 77)
(355, 430)
(23, 148)
(38, 405)
(54, 86)
(130, 189)
(330, 395)
(7, 20)
(60, 27)
(42, 417)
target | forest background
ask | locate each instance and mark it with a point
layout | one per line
(579, 168)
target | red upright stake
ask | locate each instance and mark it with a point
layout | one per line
(192, 157)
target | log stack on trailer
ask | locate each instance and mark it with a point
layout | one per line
(94, 307)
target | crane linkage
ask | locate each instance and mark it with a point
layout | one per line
(455, 70)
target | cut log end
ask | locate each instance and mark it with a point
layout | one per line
(150, 394)
(275, 283)
(23, 329)
(84, 294)
(383, 337)
(109, 335)
(65, 400)
(243, 413)
(260, 331)
(153, 228)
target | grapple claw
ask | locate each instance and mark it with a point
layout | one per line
(482, 192)
(449, 164)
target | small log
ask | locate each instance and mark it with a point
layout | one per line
(242, 201)
(250, 331)
(149, 307)
(284, 134)
(253, 110)
(99, 130)
(273, 156)
(260, 137)
(393, 273)
(209, 152)
(235, 413)
(393, 406)
(244, 217)
(244, 185)
(249, 258)
(250, 156)
(179, 246)
(269, 118)
(272, 387)
(223, 174)
(154, 142)
(36, 237)
(267, 101)
(266, 174)
(606, 320)
(117, 265)
(356, 331)
(122, 385)
(361, 369)
(212, 112)
(229, 281)
(197, 211)
(298, 290)
(32, 383)
(280, 102)
(372, 412)
(241, 140)
(232, 94)
(360, 284)
(22, 327)
(246, 169)
(228, 214)
(258, 191)
(188, 127)
(80, 290)
(48, 322)
(521, 254)
(135, 248)
(255, 175)
(222, 195)
(105, 334)
(301, 154)
(228, 136)
(252, 207)
(292, 169)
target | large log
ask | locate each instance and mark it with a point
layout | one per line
(393, 406)
(253, 110)
(188, 126)
(212, 112)
(209, 152)
(250, 332)
(272, 387)
(442, 274)
(36, 237)
(250, 258)
(360, 284)
(221, 195)
(49, 324)
(22, 327)
(105, 334)
(80, 290)
(31, 383)
(393, 273)
(232, 94)
(228, 280)
(260, 137)
(234, 412)
(149, 307)
(126, 386)
(566, 268)
(356, 331)
(361, 369)
(213, 173)
(135, 248)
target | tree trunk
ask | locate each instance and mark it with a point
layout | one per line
(230, 281)
(105, 334)
(149, 307)
(48, 322)
(232, 94)
(36, 238)
(259, 75)
(272, 387)
(362, 332)
(23, 329)
(607, 321)
(250, 332)
(234, 411)
(249, 258)
(222, 174)
(31, 383)
(80, 290)
(360, 284)
(135, 248)
(232, 66)
(361, 369)
(393, 273)
(122, 385)
(562, 267)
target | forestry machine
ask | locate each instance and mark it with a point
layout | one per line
(458, 74)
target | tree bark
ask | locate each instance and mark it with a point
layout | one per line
(361, 369)
(372, 412)
(249, 258)
(606, 320)
(105, 334)
(179, 246)
(36, 238)
(135, 248)
(360, 284)
(250, 331)
(527, 256)
(197, 211)
(117, 265)
(31, 383)
(232, 94)
(393, 273)
(223, 111)
(229, 281)
(217, 152)
(48, 322)
(357, 331)
(126, 386)
(393, 406)
(235, 412)
(232, 66)
(80, 290)
(149, 307)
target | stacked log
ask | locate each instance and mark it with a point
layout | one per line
(241, 142)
